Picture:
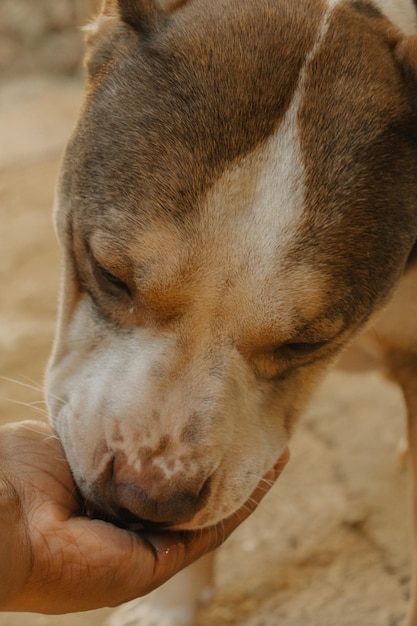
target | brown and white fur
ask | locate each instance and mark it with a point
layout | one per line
(238, 202)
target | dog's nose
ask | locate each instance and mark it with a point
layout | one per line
(150, 497)
(171, 507)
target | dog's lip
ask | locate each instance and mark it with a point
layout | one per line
(123, 518)
(128, 520)
(269, 478)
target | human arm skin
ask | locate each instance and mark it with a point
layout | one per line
(53, 560)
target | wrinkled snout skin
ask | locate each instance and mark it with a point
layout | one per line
(231, 214)
(172, 437)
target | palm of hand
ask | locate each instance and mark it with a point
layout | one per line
(68, 562)
(56, 560)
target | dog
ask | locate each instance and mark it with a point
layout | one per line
(237, 204)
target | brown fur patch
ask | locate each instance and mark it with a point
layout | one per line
(229, 82)
(360, 160)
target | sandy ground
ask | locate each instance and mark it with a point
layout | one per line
(330, 546)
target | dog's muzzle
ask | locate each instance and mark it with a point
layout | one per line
(147, 498)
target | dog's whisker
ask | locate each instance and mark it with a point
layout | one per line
(33, 382)
(54, 397)
(33, 386)
(200, 534)
(29, 405)
(217, 532)
(60, 459)
(53, 438)
(263, 482)
(50, 437)
(41, 388)
(34, 430)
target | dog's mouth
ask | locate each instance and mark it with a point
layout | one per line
(128, 520)
(122, 518)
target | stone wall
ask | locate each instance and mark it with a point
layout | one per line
(42, 35)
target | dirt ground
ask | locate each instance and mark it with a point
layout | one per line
(330, 546)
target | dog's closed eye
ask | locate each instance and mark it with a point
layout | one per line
(275, 363)
(301, 348)
(107, 280)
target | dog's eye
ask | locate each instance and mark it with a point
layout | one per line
(301, 348)
(111, 280)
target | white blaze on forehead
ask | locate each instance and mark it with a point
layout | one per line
(331, 4)
(259, 202)
(255, 205)
(278, 200)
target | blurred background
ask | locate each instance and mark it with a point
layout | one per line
(41, 86)
(42, 35)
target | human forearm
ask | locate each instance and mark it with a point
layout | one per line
(13, 543)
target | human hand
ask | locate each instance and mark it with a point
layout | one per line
(53, 560)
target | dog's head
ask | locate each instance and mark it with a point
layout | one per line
(239, 196)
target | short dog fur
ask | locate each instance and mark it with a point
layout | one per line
(238, 203)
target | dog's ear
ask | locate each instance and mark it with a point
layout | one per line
(406, 53)
(96, 31)
(109, 8)
(143, 16)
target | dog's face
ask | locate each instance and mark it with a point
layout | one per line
(237, 199)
